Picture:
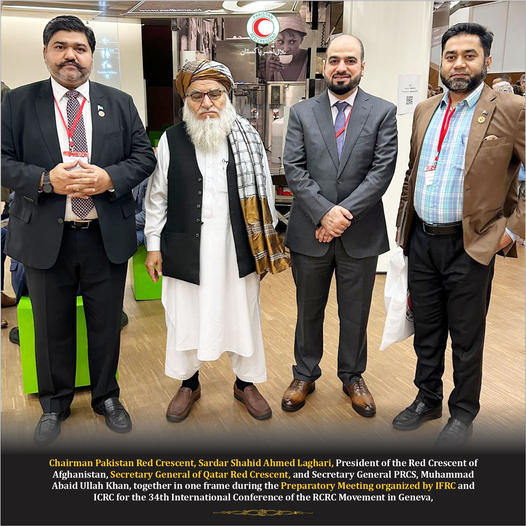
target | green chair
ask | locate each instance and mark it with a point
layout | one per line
(154, 136)
(26, 330)
(143, 287)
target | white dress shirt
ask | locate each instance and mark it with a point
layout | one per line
(59, 92)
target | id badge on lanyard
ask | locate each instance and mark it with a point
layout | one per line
(429, 174)
(70, 157)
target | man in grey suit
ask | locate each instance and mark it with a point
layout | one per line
(339, 158)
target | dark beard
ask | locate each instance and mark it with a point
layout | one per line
(465, 86)
(342, 89)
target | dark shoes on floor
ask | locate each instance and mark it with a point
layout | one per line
(296, 394)
(117, 418)
(362, 400)
(256, 405)
(454, 435)
(415, 415)
(14, 336)
(48, 427)
(181, 404)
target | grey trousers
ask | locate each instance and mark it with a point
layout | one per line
(354, 285)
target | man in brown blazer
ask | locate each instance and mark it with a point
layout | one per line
(459, 207)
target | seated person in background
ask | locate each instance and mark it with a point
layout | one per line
(503, 77)
(290, 61)
(430, 91)
(503, 86)
(6, 300)
(138, 194)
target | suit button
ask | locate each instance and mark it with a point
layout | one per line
(199, 179)
(60, 220)
(197, 235)
(339, 181)
(199, 192)
(198, 220)
(198, 206)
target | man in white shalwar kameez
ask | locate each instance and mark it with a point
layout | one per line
(210, 230)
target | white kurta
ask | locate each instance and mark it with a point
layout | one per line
(223, 312)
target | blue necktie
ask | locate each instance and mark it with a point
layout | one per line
(339, 123)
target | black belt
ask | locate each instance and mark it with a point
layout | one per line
(82, 225)
(442, 229)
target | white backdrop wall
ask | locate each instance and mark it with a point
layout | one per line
(22, 61)
(506, 19)
(397, 40)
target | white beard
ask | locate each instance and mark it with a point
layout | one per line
(207, 134)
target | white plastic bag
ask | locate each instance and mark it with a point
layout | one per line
(399, 320)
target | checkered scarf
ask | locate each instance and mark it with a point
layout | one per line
(266, 245)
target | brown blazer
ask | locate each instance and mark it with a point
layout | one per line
(490, 173)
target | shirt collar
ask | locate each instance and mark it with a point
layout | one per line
(59, 91)
(349, 100)
(471, 100)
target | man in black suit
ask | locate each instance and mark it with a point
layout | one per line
(72, 150)
(339, 158)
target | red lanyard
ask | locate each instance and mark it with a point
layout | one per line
(339, 132)
(70, 131)
(444, 128)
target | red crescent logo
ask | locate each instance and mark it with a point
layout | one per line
(256, 27)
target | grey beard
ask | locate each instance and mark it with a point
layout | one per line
(465, 85)
(207, 134)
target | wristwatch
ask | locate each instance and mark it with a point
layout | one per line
(47, 187)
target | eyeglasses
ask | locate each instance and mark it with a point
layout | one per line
(198, 96)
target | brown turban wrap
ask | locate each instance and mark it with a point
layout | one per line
(202, 70)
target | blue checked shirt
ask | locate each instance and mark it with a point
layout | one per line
(442, 201)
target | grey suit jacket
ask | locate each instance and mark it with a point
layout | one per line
(356, 182)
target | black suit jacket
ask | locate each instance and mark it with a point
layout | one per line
(30, 145)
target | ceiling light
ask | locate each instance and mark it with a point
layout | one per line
(61, 9)
(252, 7)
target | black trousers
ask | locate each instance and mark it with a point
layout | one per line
(450, 293)
(82, 261)
(354, 286)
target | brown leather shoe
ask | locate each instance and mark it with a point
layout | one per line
(7, 301)
(181, 403)
(256, 405)
(362, 400)
(295, 395)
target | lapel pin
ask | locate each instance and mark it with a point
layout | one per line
(100, 110)
(481, 119)
(484, 112)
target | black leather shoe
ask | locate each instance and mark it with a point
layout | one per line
(117, 418)
(454, 435)
(48, 427)
(14, 336)
(415, 415)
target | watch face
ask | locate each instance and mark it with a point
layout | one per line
(47, 188)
